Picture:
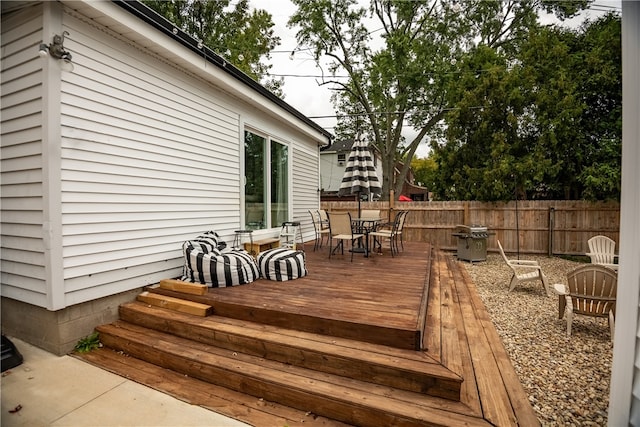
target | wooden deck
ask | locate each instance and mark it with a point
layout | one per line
(381, 341)
(378, 299)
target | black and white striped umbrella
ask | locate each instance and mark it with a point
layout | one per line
(360, 174)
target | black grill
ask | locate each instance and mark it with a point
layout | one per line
(472, 242)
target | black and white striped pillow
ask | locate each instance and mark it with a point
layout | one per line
(282, 264)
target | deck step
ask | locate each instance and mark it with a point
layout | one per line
(265, 312)
(237, 405)
(403, 369)
(344, 399)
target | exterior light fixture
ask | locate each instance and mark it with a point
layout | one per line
(56, 50)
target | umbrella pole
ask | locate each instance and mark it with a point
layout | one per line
(392, 200)
(358, 195)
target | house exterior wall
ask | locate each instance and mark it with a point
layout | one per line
(22, 261)
(150, 156)
(331, 171)
(306, 189)
(108, 168)
(624, 397)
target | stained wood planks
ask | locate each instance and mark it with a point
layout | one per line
(387, 307)
(402, 369)
(177, 304)
(240, 406)
(184, 287)
(514, 390)
(459, 339)
(351, 401)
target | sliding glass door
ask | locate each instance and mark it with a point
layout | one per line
(266, 182)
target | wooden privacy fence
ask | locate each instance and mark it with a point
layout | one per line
(528, 226)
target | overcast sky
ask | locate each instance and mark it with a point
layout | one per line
(304, 93)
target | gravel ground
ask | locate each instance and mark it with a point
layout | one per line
(567, 379)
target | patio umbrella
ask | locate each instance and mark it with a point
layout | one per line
(360, 174)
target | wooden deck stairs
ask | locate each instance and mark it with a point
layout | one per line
(267, 374)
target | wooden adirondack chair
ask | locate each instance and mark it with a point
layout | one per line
(590, 291)
(524, 271)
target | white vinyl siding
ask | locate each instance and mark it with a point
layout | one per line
(330, 171)
(21, 182)
(305, 188)
(149, 158)
(108, 168)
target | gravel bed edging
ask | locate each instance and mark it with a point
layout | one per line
(567, 379)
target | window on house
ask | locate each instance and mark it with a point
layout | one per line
(266, 182)
(342, 158)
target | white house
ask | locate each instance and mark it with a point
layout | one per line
(150, 140)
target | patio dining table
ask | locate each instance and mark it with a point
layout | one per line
(364, 226)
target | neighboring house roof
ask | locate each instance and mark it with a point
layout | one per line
(338, 146)
(163, 25)
(345, 145)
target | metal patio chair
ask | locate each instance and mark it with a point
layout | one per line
(341, 230)
(318, 228)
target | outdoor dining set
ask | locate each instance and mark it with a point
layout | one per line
(365, 232)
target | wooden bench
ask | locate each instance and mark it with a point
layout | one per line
(262, 245)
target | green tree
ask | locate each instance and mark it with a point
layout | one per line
(244, 37)
(401, 66)
(545, 124)
(600, 89)
(425, 171)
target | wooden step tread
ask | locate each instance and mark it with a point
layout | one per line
(405, 369)
(230, 403)
(336, 397)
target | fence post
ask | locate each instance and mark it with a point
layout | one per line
(466, 215)
(551, 225)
